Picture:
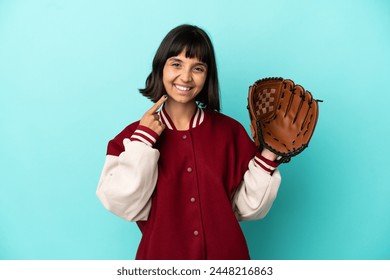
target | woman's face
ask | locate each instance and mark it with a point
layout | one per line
(184, 77)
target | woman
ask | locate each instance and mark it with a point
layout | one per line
(187, 173)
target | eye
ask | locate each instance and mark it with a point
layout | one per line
(200, 69)
(176, 64)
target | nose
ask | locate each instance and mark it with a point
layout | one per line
(186, 75)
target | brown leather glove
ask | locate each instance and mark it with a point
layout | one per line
(283, 116)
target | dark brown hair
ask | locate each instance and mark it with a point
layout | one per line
(197, 44)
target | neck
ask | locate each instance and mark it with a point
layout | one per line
(180, 113)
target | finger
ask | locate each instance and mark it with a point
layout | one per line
(157, 105)
(158, 127)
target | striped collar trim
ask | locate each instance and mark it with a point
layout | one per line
(196, 119)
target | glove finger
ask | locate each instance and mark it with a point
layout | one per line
(304, 108)
(286, 98)
(301, 118)
(295, 103)
(311, 120)
(252, 113)
(310, 109)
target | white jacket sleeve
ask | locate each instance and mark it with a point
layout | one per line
(128, 181)
(257, 192)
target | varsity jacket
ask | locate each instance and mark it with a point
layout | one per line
(188, 190)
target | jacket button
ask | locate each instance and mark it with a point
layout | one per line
(184, 137)
(189, 169)
(196, 233)
(192, 199)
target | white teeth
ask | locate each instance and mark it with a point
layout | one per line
(182, 88)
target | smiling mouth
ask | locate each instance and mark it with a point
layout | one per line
(182, 88)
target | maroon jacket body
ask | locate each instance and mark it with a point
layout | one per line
(199, 169)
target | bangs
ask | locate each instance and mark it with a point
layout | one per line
(194, 44)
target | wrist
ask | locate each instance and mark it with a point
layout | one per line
(268, 154)
(267, 164)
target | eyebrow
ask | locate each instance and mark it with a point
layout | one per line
(179, 60)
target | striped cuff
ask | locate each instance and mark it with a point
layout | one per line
(267, 165)
(145, 135)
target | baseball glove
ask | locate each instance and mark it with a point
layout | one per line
(283, 116)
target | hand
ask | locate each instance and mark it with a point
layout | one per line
(151, 119)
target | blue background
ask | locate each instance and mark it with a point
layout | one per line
(69, 74)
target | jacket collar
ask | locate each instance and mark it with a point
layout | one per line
(196, 119)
